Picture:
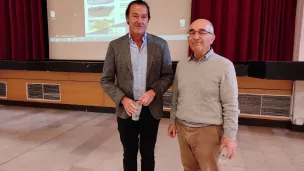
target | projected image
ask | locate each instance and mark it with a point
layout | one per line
(95, 25)
(105, 20)
(101, 11)
(82, 29)
(94, 2)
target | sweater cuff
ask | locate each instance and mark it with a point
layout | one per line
(172, 120)
(230, 134)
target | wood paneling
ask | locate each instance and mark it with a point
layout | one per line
(263, 91)
(78, 93)
(255, 83)
(108, 101)
(85, 89)
(73, 76)
(43, 75)
(33, 75)
(82, 93)
(277, 118)
(16, 89)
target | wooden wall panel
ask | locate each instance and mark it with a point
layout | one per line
(108, 101)
(263, 91)
(82, 93)
(255, 83)
(78, 93)
(32, 75)
(277, 118)
(16, 89)
(85, 88)
(73, 76)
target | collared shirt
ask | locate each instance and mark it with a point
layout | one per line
(208, 54)
(139, 66)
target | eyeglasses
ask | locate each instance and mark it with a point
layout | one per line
(200, 32)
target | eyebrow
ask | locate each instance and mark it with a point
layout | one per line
(199, 30)
(138, 14)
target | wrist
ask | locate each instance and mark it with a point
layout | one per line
(123, 100)
(152, 91)
(233, 139)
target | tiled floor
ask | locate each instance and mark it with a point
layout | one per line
(56, 140)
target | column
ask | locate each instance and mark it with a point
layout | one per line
(297, 107)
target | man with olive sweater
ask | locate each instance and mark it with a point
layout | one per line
(204, 110)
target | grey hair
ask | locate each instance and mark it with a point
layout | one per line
(210, 28)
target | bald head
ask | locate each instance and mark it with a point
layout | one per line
(201, 43)
(204, 24)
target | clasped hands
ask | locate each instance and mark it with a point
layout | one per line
(145, 99)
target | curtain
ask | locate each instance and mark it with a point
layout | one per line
(277, 30)
(23, 30)
(250, 30)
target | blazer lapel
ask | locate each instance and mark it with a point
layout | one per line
(150, 53)
(128, 53)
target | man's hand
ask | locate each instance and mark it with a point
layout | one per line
(129, 105)
(147, 97)
(172, 131)
(230, 145)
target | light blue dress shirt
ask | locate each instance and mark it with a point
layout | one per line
(139, 66)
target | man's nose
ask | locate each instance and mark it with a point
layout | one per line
(139, 19)
(196, 36)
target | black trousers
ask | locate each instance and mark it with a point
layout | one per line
(140, 134)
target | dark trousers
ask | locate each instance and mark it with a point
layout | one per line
(140, 134)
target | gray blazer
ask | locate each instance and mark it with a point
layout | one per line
(118, 65)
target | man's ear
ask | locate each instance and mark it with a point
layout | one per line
(127, 18)
(212, 39)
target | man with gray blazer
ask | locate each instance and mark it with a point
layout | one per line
(138, 67)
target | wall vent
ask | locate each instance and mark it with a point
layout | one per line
(3, 89)
(254, 104)
(41, 91)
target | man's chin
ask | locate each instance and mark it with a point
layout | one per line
(196, 49)
(139, 33)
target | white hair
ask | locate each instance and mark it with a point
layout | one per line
(210, 28)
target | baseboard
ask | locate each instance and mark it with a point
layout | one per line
(265, 122)
(166, 114)
(59, 106)
(99, 109)
(297, 128)
(242, 121)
